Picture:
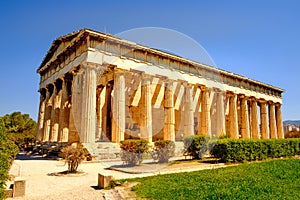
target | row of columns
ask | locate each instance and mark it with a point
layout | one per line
(270, 125)
(242, 117)
(243, 113)
(54, 109)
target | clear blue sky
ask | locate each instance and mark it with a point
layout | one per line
(257, 39)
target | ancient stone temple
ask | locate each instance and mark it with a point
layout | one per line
(97, 87)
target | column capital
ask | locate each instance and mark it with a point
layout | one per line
(186, 84)
(88, 65)
(262, 101)
(145, 76)
(230, 93)
(271, 103)
(252, 98)
(204, 88)
(243, 96)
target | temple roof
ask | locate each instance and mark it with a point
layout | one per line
(77, 35)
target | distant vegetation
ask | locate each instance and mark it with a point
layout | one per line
(19, 128)
(277, 179)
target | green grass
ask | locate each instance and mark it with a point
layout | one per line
(276, 179)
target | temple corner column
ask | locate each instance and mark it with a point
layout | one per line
(88, 104)
(40, 129)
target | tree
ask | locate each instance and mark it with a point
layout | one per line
(19, 128)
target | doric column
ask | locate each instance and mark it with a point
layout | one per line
(245, 132)
(188, 111)
(118, 127)
(264, 120)
(40, 129)
(64, 112)
(233, 117)
(169, 126)
(146, 125)
(88, 104)
(254, 119)
(280, 132)
(48, 110)
(272, 119)
(55, 111)
(220, 115)
(205, 112)
(100, 102)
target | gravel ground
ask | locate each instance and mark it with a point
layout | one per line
(41, 185)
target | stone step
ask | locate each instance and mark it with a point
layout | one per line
(111, 151)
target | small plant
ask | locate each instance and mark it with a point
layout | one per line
(163, 150)
(196, 145)
(73, 155)
(132, 151)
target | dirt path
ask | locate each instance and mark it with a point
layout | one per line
(41, 185)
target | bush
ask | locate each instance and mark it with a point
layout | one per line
(73, 155)
(196, 145)
(292, 134)
(132, 151)
(238, 150)
(8, 151)
(163, 150)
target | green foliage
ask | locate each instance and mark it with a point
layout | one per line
(20, 128)
(74, 155)
(132, 151)
(8, 151)
(292, 134)
(163, 150)
(277, 179)
(196, 145)
(238, 150)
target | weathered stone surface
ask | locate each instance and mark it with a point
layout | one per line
(19, 187)
(109, 91)
(103, 180)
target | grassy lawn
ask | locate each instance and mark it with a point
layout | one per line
(276, 179)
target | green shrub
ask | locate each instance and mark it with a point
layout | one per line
(132, 151)
(163, 150)
(73, 155)
(8, 151)
(196, 145)
(238, 150)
